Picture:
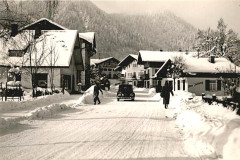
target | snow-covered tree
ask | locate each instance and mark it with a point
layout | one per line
(176, 68)
(221, 42)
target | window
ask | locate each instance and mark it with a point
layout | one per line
(109, 75)
(16, 53)
(109, 69)
(178, 84)
(66, 81)
(130, 75)
(40, 80)
(78, 76)
(213, 85)
(184, 85)
(105, 69)
(134, 65)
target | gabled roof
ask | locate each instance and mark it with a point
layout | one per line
(118, 68)
(99, 61)
(203, 65)
(44, 24)
(58, 43)
(88, 36)
(159, 56)
(163, 68)
(128, 59)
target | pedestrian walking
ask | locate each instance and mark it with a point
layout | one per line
(107, 84)
(96, 93)
(165, 94)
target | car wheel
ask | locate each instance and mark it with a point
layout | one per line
(132, 99)
(118, 99)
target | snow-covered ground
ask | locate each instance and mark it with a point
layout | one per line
(208, 131)
(12, 112)
(213, 129)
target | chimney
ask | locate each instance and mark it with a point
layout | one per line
(212, 58)
(37, 33)
(14, 30)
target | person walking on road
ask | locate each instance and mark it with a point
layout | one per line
(165, 94)
(107, 84)
(96, 93)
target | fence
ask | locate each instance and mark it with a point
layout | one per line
(229, 102)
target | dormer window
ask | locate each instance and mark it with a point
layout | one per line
(16, 53)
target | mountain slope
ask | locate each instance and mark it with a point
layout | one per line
(166, 30)
(118, 35)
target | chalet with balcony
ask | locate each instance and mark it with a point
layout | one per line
(131, 71)
(106, 66)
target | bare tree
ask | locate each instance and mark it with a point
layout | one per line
(51, 60)
(52, 7)
(11, 14)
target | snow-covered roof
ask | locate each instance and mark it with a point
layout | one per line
(160, 56)
(203, 65)
(193, 64)
(127, 58)
(44, 19)
(88, 36)
(57, 45)
(98, 61)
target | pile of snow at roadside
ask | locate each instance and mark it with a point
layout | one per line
(135, 89)
(44, 107)
(87, 97)
(213, 129)
(33, 102)
(47, 111)
(42, 112)
(152, 92)
(9, 122)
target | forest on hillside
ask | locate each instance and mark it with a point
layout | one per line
(117, 35)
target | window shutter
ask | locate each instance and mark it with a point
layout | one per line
(207, 85)
(219, 85)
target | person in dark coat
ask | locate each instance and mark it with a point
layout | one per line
(165, 94)
(107, 84)
(96, 93)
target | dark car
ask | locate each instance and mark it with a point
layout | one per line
(125, 91)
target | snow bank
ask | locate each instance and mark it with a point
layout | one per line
(232, 147)
(9, 122)
(47, 111)
(213, 129)
(42, 112)
(152, 92)
(140, 89)
(87, 97)
(33, 102)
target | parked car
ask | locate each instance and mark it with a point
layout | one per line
(125, 91)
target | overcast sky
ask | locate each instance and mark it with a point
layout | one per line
(200, 13)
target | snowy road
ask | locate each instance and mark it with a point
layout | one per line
(115, 130)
